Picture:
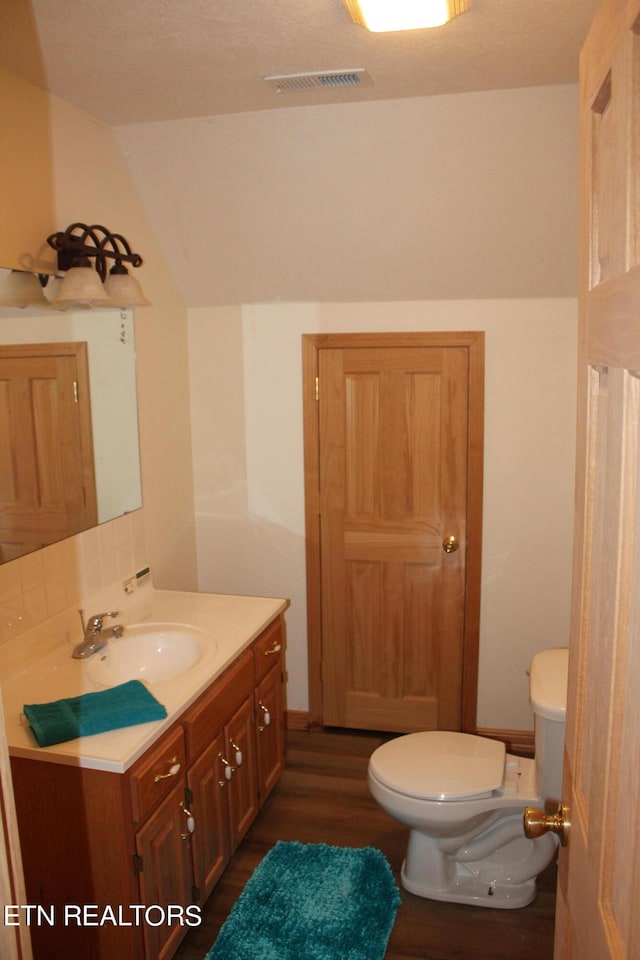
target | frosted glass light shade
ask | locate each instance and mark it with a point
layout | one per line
(82, 286)
(22, 289)
(381, 16)
(125, 291)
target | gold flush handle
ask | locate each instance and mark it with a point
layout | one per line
(450, 544)
(537, 822)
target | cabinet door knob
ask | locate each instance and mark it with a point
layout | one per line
(238, 753)
(276, 648)
(229, 770)
(266, 717)
(191, 823)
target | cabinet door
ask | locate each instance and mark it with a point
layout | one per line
(270, 731)
(163, 843)
(242, 788)
(210, 841)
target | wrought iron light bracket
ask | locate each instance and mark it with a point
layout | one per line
(79, 242)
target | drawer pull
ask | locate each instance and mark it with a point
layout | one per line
(276, 648)
(266, 718)
(174, 770)
(238, 754)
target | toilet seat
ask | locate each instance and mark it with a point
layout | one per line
(440, 765)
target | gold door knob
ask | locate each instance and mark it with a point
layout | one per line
(450, 545)
(537, 822)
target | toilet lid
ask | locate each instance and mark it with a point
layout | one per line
(440, 765)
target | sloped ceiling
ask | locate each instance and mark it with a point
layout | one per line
(131, 61)
(403, 189)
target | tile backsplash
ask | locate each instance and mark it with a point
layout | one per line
(41, 593)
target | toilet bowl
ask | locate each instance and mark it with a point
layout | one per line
(463, 797)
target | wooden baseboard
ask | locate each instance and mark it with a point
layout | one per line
(520, 742)
(516, 741)
(297, 720)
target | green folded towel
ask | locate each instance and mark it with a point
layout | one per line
(122, 706)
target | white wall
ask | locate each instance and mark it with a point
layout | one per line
(246, 396)
(452, 197)
(83, 176)
(440, 213)
(93, 184)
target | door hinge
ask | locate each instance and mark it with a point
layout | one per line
(75, 391)
(137, 864)
(317, 388)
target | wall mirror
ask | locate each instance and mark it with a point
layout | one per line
(69, 452)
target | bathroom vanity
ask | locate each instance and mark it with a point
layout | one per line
(124, 832)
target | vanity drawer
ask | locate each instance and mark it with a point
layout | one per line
(204, 720)
(269, 648)
(155, 774)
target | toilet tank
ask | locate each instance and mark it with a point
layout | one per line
(548, 696)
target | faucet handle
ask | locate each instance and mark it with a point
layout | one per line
(95, 622)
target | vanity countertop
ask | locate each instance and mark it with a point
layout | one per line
(231, 623)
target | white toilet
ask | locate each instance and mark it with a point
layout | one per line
(463, 797)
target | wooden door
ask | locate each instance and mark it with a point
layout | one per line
(210, 840)
(269, 712)
(599, 879)
(398, 456)
(47, 480)
(166, 874)
(242, 789)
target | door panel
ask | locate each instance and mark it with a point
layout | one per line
(239, 735)
(210, 843)
(599, 875)
(166, 873)
(394, 441)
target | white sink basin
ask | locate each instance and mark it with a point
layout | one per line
(149, 651)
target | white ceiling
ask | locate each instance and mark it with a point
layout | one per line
(131, 61)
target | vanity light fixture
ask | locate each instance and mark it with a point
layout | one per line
(381, 16)
(85, 285)
(22, 289)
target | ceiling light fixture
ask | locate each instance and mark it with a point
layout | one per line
(85, 286)
(381, 16)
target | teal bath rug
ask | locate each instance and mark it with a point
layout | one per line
(312, 902)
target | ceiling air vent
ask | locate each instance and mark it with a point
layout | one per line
(327, 79)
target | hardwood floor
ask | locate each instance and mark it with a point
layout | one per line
(323, 798)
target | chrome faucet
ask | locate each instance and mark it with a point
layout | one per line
(96, 634)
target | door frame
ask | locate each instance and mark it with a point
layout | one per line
(311, 346)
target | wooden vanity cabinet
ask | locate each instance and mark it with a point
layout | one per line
(163, 832)
(239, 755)
(268, 652)
(162, 849)
(77, 842)
(210, 845)
(269, 710)
(162, 856)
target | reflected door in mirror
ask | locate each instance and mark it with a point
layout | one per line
(47, 481)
